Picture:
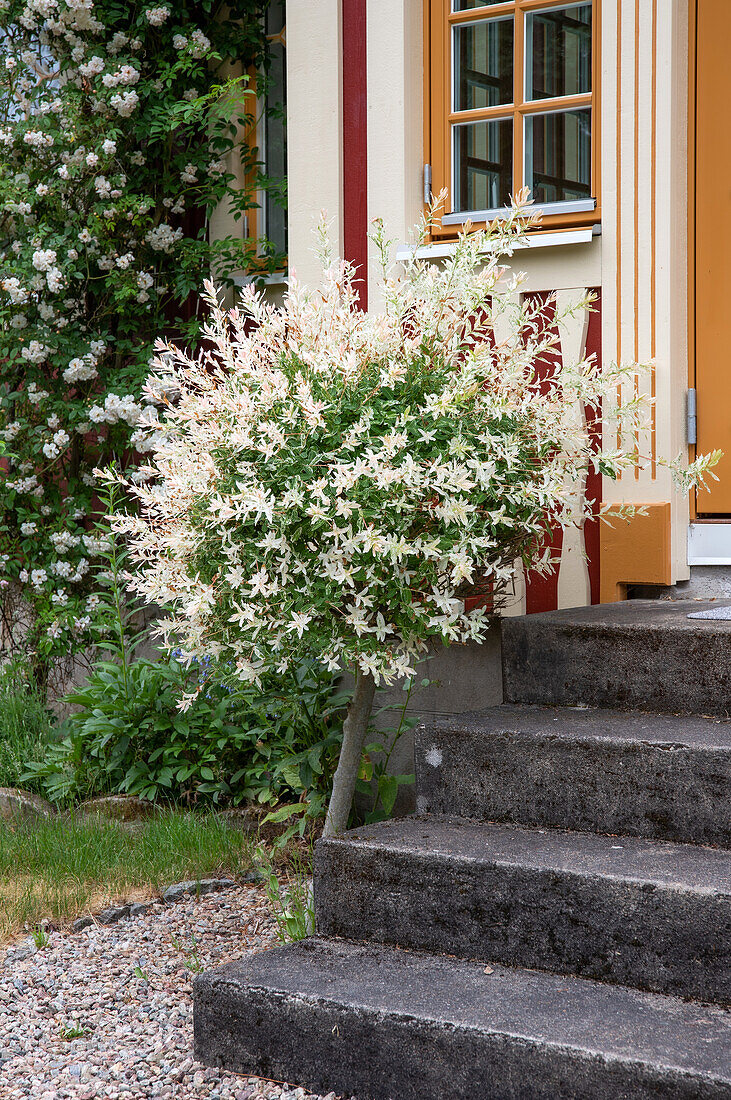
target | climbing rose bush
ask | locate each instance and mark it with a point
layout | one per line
(115, 147)
(331, 483)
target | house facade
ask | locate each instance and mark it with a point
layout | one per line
(608, 111)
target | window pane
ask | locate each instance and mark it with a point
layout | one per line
(275, 150)
(467, 5)
(558, 51)
(483, 165)
(273, 134)
(558, 155)
(483, 64)
(274, 17)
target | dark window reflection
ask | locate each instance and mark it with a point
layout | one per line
(483, 64)
(558, 155)
(483, 157)
(275, 130)
(558, 48)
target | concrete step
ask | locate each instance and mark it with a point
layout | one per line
(633, 912)
(640, 654)
(592, 770)
(384, 1024)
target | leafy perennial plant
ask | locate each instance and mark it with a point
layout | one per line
(115, 147)
(332, 485)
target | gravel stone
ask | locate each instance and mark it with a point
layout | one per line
(136, 1038)
(23, 951)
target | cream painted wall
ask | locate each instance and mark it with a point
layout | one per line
(395, 63)
(314, 113)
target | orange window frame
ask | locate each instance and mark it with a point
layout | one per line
(439, 21)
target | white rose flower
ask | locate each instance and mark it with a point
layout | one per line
(156, 16)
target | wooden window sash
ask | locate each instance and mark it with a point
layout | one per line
(439, 20)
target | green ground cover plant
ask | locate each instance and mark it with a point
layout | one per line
(25, 726)
(57, 869)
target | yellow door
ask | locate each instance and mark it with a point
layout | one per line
(713, 247)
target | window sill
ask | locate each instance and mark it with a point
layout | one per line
(543, 210)
(275, 278)
(550, 239)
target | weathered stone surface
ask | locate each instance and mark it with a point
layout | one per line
(607, 771)
(203, 886)
(640, 654)
(17, 804)
(118, 807)
(139, 908)
(635, 912)
(647, 908)
(113, 914)
(387, 1024)
(81, 923)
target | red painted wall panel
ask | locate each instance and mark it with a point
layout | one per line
(593, 488)
(355, 142)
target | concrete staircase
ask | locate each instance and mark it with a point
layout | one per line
(555, 922)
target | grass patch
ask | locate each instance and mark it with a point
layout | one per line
(25, 728)
(58, 869)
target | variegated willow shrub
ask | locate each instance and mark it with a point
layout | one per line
(331, 485)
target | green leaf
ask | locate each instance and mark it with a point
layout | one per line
(388, 786)
(285, 812)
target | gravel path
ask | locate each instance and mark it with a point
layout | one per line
(137, 1030)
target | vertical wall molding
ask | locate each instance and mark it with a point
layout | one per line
(644, 272)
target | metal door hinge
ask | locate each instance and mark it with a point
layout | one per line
(427, 184)
(691, 417)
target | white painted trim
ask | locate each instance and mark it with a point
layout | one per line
(709, 544)
(533, 240)
(276, 278)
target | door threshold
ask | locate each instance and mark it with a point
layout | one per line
(709, 543)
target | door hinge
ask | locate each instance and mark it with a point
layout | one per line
(691, 419)
(427, 184)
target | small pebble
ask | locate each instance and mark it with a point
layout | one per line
(78, 1023)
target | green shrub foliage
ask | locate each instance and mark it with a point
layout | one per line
(117, 141)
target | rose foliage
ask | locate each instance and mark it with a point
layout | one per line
(115, 147)
(334, 484)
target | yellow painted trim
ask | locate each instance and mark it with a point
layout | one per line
(634, 551)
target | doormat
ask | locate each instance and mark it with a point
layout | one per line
(714, 613)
